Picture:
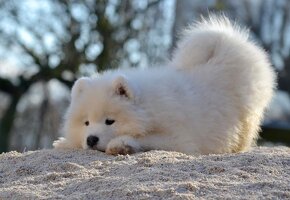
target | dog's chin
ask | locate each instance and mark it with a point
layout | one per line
(101, 150)
(95, 148)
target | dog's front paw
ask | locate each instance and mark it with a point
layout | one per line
(120, 150)
(61, 143)
(122, 145)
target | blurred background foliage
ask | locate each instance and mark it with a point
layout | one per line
(45, 45)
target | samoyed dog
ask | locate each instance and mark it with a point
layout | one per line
(209, 99)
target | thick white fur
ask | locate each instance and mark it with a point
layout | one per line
(209, 99)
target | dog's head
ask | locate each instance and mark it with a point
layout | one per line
(103, 108)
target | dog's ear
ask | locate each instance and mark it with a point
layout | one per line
(122, 87)
(79, 86)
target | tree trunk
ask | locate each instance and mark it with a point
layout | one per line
(6, 124)
(186, 12)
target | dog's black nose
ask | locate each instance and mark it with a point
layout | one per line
(92, 140)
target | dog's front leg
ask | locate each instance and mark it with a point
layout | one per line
(123, 145)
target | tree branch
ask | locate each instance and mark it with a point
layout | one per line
(7, 86)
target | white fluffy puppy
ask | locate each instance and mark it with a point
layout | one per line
(209, 99)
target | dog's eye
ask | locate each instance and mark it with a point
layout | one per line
(109, 121)
(87, 123)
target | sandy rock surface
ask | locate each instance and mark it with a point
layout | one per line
(263, 173)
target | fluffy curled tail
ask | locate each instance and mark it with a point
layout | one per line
(219, 55)
(210, 40)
